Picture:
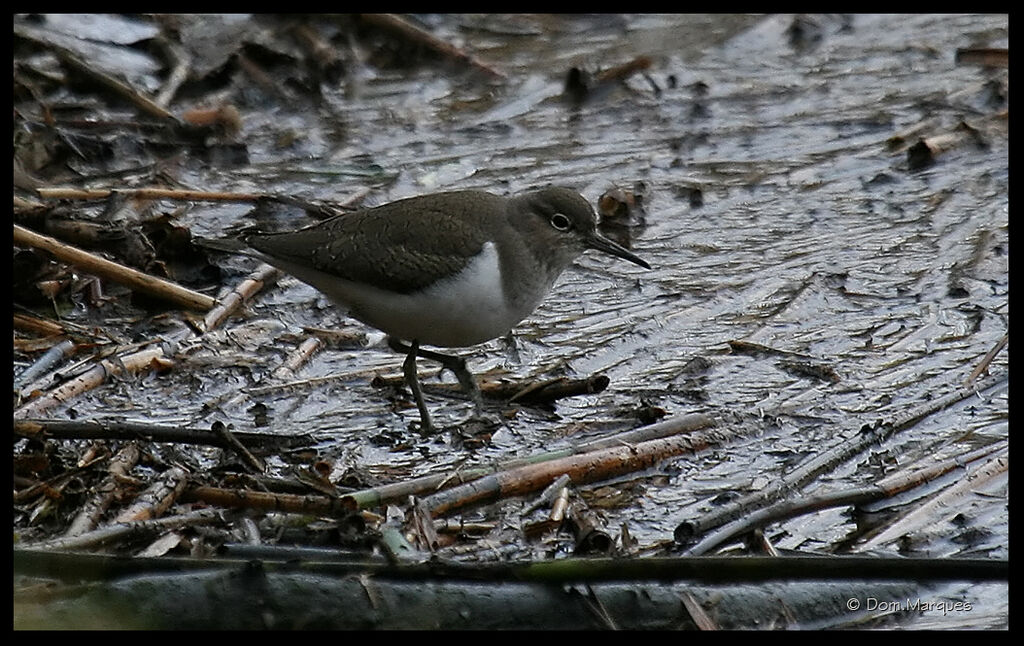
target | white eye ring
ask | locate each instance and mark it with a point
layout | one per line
(561, 222)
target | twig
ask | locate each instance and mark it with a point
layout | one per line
(422, 528)
(180, 62)
(581, 85)
(885, 488)
(75, 369)
(263, 275)
(460, 526)
(987, 360)
(55, 483)
(924, 152)
(995, 466)
(118, 86)
(411, 32)
(259, 391)
(250, 460)
(323, 53)
(46, 327)
(700, 618)
(666, 428)
(547, 496)
(136, 98)
(555, 389)
(529, 392)
(143, 359)
(120, 531)
(113, 271)
(100, 429)
(64, 193)
(688, 530)
(740, 346)
(36, 325)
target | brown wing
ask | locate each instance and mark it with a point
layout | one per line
(402, 246)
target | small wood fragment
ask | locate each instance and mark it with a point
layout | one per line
(984, 56)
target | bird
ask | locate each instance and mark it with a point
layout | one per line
(450, 269)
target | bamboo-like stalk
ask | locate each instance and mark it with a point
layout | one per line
(90, 379)
(89, 514)
(376, 496)
(587, 467)
(299, 357)
(316, 505)
(229, 304)
(50, 357)
(36, 325)
(154, 501)
(120, 531)
(143, 359)
(116, 272)
(706, 569)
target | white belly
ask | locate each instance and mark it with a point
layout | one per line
(466, 309)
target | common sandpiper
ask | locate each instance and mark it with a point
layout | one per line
(449, 269)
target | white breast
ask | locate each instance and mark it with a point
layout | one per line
(465, 309)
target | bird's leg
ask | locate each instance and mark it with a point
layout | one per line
(458, 367)
(456, 364)
(409, 368)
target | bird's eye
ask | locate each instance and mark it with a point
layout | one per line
(561, 222)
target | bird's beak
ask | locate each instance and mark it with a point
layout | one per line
(601, 243)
